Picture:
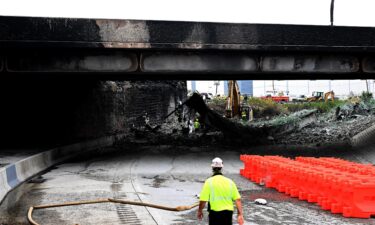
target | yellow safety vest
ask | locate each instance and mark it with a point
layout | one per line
(220, 192)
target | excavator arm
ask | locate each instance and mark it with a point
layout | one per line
(329, 94)
(232, 107)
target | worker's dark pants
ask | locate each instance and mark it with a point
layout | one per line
(220, 218)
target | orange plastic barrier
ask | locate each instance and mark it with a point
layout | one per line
(337, 185)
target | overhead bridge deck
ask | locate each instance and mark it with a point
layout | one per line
(128, 49)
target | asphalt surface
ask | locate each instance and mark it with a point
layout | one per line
(159, 175)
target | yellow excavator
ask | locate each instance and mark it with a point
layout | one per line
(232, 107)
(320, 96)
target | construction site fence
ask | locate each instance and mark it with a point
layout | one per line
(337, 185)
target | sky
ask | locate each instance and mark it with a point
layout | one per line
(342, 88)
(347, 12)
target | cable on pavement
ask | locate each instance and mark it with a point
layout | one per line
(106, 200)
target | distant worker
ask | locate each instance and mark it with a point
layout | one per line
(179, 111)
(220, 192)
(191, 126)
(243, 115)
(196, 124)
(245, 109)
(245, 98)
(251, 114)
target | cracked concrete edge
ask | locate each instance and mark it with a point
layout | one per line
(364, 138)
(364, 144)
(15, 174)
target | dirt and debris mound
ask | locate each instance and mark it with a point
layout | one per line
(329, 123)
(338, 125)
(307, 127)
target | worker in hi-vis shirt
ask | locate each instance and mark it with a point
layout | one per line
(220, 192)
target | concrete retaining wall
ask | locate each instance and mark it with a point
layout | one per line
(15, 174)
(4, 187)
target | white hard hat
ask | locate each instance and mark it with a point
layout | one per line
(260, 201)
(217, 162)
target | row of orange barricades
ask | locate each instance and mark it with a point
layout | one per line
(337, 185)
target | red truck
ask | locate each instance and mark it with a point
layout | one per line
(281, 99)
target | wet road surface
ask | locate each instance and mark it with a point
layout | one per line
(170, 177)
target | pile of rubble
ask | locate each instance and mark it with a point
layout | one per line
(306, 127)
(336, 126)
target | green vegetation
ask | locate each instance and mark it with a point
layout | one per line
(269, 108)
(266, 107)
(218, 104)
(320, 106)
(219, 100)
(366, 96)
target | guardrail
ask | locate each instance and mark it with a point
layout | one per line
(15, 174)
(336, 185)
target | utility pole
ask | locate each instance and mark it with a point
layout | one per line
(349, 87)
(332, 11)
(367, 85)
(308, 88)
(329, 84)
(273, 87)
(216, 83)
(264, 87)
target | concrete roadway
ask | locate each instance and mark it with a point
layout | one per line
(169, 177)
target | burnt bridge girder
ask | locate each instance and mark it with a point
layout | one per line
(135, 49)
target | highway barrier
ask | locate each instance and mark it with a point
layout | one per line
(15, 174)
(336, 185)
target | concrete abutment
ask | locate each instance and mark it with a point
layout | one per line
(54, 111)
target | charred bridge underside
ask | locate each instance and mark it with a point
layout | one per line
(134, 49)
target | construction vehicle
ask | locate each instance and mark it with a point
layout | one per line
(330, 95)
(232, 107)
(300, 98)
(281, 98)
(315, 97)
(320, 96)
